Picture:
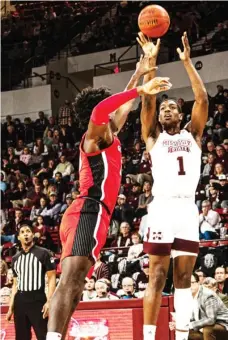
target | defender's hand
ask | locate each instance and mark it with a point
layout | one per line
(149, 48)
(155, 86)
(143, 66)
(185, 54)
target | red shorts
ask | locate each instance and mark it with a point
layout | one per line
(83, 233)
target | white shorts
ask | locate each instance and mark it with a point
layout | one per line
(172, 224)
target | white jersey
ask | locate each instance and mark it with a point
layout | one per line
(176, 162)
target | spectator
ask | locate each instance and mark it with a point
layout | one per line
(222, 280)
(89, 292)
(122, 211)
(46, 171)
(25, 156)
(142, 279)
(65, 167)
(25, 52)
(208, 167)
(144, 167)
(208, 222)
(223, 191)
(201, 275)
(123, 240)
(144, 199)
(200, 195)
(136, 249)
(39, 52)
(40, 148)
(214, 197)
(40, 124)
(53, 209)
(28, 135)
(33, 196)
(9, 233)
(61, 186)
(221, 156)
(219, 98)
(211, 147)
(209, 314)
(11, 136)
(19, 148)
(127, 168)
(10, 155)
(220, 121)
(212, 284)
(133, 198)
(101, 270)
(48, 138)
(128, 289)
(69, 201)
(3, 271)
(102, 291)
(219, 170)
(3, 185)
(45, 186)
(9, 279)
(18, 197)
(2, 220)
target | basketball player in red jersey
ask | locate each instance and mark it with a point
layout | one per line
(85, 223)
(176, 159)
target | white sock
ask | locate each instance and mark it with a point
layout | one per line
(183, 304)
(149, 332)
(53, 336)
(181, 335)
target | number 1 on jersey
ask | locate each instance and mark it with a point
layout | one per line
(181, 166)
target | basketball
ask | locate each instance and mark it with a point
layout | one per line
(154, 21)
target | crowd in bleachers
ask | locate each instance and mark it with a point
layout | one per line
(36, 31)
(39, 180)
(121, 30)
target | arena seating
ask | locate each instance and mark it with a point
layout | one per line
(32, 174)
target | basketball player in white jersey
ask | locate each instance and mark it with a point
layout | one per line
(172, 227)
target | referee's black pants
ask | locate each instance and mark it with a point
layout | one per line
(27, 314)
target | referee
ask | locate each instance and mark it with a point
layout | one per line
(29, 303)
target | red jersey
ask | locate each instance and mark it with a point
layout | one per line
(100, 174)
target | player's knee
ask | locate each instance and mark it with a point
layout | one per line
(157, 278)
(182, 279)
(73, 282)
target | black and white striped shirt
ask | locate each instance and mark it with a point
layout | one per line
(30, 268)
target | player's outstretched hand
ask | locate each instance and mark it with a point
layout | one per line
(155, 86)
(149, 48)
(185, 54)
(143, 66)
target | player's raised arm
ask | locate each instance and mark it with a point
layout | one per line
(200, 107)
(149, 123)
(142, 68)
(100, 117)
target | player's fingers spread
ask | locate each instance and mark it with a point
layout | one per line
(141, 35)
(139, 41)
(158, 42)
